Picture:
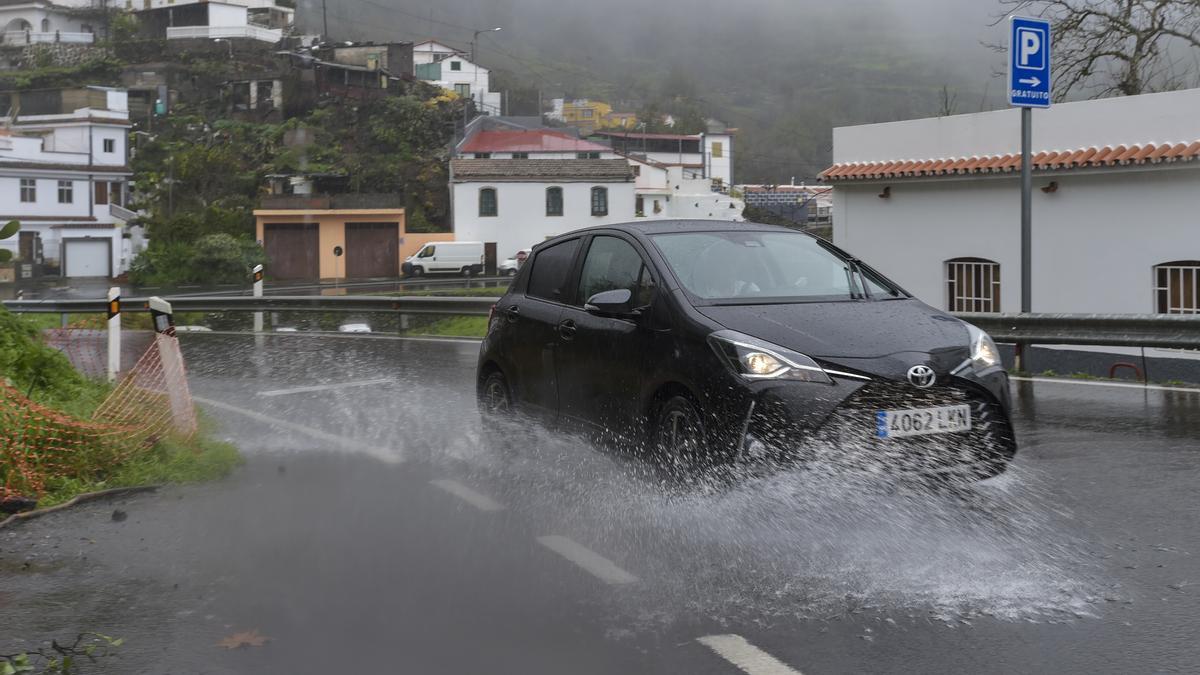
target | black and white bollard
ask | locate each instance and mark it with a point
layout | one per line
(114, 333)
(258, 291)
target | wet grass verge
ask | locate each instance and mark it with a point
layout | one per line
(452, 326)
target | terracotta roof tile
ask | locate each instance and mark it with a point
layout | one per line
(1052, 160)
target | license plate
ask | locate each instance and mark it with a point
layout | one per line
(922, 421)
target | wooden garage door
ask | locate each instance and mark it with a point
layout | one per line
(292, 250)
(372, 250)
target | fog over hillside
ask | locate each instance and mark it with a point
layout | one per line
(783, 72)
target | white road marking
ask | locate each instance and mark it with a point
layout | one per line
(323, 387)
(479, 501)
(1096, 383)
(748, 658)
(601, 567)
(387, 455)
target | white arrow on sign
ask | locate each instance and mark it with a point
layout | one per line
(1031, 81)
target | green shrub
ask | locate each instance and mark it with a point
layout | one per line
(213, 259)
(42, 372)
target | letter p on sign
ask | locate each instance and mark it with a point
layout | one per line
(1029, 45)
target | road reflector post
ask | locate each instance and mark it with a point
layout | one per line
(114, 333)
(162, 315)
(258, 291)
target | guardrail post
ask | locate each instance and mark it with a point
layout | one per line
(114, 333)
(258, 291)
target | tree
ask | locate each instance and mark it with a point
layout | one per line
(1119, 47)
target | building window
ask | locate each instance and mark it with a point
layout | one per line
(586, 113)
(718, 149)
(637, 170)
(972, 285)
(554, 201)
(599, 201)
(587, 155)
(520, 155)
(1177, 287)
(456, 65)
(639, 206)
(487, 203)
(45, 25)
(66, 192)
(483, 155)
(28, 190)
(110, 145)
(100, 192)
(463, 90)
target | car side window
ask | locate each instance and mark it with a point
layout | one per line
(613, 263)
(551, 269)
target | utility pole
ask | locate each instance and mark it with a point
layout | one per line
(324, 20)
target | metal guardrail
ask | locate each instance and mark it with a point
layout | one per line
(1117, 330)
(423, 304)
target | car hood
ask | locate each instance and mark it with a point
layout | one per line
(884, 336)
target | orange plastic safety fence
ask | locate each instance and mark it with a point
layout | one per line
(39, 444)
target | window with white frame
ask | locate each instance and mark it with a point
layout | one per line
(110, 145)
(28, 190)
(66, 192)
(972, 285)
(1177, 287)
(599, 201)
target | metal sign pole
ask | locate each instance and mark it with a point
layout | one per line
(1026, 212)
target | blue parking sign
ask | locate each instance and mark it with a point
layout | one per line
(1029, 63)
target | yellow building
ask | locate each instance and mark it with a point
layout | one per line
(309, 243)
(583, 112)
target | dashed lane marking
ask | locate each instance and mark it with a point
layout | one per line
(324, 387)
(479, 501)
(599, 566)
(387, 455)
(748, 658)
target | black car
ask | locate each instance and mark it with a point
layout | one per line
(715, 342)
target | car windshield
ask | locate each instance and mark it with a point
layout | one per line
(766, 267)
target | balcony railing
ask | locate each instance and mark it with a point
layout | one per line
(211, 32)
(121, 213)
(27, 37)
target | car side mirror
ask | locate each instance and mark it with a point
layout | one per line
(611, 303)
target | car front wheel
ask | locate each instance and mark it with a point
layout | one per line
(417, 270)
(678, 435)
(495, 397)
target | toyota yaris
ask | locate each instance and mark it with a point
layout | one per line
(716, 342)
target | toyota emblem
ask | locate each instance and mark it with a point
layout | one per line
(922, 376)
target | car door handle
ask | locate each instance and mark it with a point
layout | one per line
(513, 313)
(566, 330)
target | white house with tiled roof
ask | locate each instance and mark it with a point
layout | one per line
(935, 204)
(450, 68)
(63, 176)
(517, 203)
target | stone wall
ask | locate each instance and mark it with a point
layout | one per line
(45, 55)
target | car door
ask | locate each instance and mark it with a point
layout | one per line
(604, 361)
(533, 315)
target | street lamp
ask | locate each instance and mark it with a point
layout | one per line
(227, 44)
(475, 38)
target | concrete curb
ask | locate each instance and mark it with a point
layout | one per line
(76, 500)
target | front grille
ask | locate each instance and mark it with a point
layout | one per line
(848, 436)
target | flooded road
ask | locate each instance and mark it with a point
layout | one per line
(375, 527)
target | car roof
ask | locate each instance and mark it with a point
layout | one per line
(649, 227)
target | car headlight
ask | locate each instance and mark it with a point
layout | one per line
(984, 354)
(755, 359)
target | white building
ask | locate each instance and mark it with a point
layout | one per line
(804, 204)
(517, 203)
(706, 155)
(35, 21)
(935, 204)
(262, 20)
(449, 68)
(63, 177)
(666, 191)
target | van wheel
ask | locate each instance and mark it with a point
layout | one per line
(678, 434)
(417, 270)
(466, 271)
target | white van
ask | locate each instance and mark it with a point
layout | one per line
(462, 257)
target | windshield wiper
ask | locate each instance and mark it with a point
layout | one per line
(854, 271)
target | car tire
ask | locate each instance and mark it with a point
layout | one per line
(677, 438)
(495, 397)
(417, 271)
(510, 273)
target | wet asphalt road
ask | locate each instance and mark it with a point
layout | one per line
(373, 529)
